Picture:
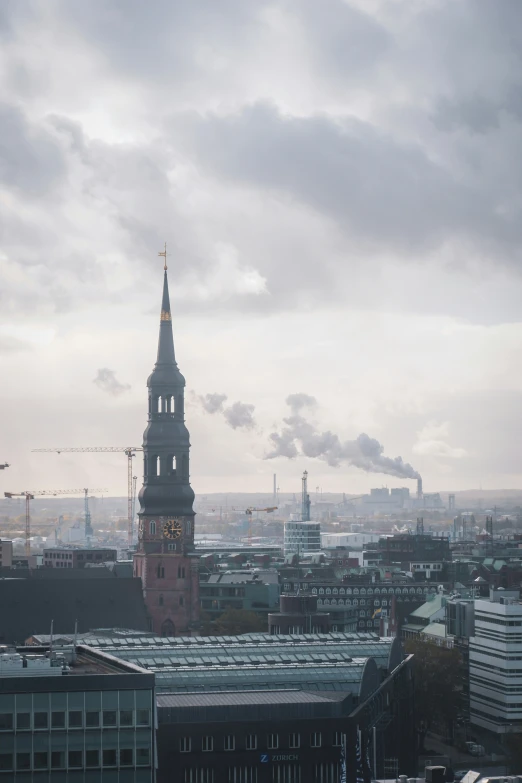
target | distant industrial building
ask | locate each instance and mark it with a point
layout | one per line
(302, 537)
(66, 557)
(75, 715)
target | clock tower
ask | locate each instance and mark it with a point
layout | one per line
(165, 558)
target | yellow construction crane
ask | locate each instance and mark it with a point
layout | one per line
(249, 513)
(130, 453)
(31, 496)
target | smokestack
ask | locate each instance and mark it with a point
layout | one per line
(419, 489)
(275, 488)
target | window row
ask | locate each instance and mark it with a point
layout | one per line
(251, 742)
(371, 591)
(74, 719)
(75, 759)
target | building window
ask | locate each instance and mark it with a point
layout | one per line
(143, 717)
(229, 742)
(181, 572)
(109, 719)
(315, 739)
(92, 720)
(75, 719)
(142, 757)
(126, 717)
(23, 761)
(76, 758)
(152, 528)
(23, 721)
(160, 600)
(92, 758)
(185, 744)
(251, 742)
(126, 757)
(207, 744)
(40, 760)
(109, 758)
(294, 741)
(172, 547)
(337, 739)
(6, 761)
(41, 721)
(272, 741)
(57, 759)
(58, 720)
(160, 572)
(6, 721)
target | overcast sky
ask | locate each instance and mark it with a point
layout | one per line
(340, 187)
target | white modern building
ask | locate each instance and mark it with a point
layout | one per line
(302, 537)
(495, 663)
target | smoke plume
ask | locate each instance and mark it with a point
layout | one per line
(238, 415)
(300, 437)
(106, 381)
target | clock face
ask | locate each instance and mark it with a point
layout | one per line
(172, 528)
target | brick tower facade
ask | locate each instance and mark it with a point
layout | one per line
(165, 558)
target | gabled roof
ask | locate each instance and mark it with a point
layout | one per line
(429, 608)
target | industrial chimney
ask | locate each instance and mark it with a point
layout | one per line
(419, 489)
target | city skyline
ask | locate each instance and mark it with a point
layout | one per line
(341, 215)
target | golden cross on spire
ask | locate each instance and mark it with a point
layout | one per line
(163, 254)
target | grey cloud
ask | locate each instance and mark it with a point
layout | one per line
(300, 400)
(300, 437)
(475, 112)
(384, 191)
(106, 381)
(30, 158)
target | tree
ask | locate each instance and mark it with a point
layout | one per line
(233, 622)
(437, 673)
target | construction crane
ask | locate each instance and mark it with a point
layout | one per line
(31, 496)
(130, 453)
(249, 513)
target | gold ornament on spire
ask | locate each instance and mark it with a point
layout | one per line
(163, 254)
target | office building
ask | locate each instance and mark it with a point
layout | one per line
(253, 590)
(66, 557)
(72, 716)
(302, 538)
(495, 663)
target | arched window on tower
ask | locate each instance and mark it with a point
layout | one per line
(172, 405)
(167, 628)
(158, 466)
(160, 600)
(158, 404)
(152, 528)
(172, 464)
(150, 403)
(160, 572)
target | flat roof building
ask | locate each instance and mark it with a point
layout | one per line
(75, 716)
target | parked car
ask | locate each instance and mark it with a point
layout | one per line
(475, 749)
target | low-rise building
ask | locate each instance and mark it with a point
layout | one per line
(75, 715)
(65, 557)
(254, 590)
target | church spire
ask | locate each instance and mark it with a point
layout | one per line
(166, 355)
